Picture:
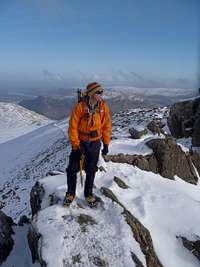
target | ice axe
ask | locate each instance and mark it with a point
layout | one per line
(82, 158)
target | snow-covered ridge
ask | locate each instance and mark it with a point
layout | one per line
(154, 91)
(16, 121)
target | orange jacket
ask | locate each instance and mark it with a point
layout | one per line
(82, 123)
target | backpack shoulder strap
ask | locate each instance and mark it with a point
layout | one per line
(102, 109)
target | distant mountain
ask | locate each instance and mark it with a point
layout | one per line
(55, 108)
(58, 104)
(16, 121)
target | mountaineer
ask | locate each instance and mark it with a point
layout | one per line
(89, 124)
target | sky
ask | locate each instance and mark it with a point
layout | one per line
(65, 43)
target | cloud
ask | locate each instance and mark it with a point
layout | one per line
(79, 78)
(52, 76)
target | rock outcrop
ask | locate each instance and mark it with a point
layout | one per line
(137, 134)
(167, 159)
(154, 127)
(6, 241)
(184, 120)
(192, 246)
(140, 233)
(33, 242)
(146, 163)
(172, 160)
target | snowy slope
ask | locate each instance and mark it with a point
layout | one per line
(167, 208)
(16, 121)
(25, 159)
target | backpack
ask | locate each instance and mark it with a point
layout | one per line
(81, 97)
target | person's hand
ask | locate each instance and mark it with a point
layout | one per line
(104, 151)
(77, 153)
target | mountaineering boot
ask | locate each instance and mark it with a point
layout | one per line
(92, 201)
(68, 199)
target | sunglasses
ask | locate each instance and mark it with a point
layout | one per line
(99, 93)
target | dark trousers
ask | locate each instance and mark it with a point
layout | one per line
(91, 153)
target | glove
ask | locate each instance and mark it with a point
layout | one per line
(104, 151)
(77, 153)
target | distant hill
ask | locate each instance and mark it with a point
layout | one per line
(55, 108)
(58, 104)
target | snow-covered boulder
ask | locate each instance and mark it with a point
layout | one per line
(6, 241)
(172, 160)
(168, 159)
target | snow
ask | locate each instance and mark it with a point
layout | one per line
(109, 238)
(16, 121)
(130, 146)
(159, 204)
(167, 208)
(185, 143)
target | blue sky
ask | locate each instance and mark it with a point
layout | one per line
(63, 43)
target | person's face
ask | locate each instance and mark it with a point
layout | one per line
(98, 96)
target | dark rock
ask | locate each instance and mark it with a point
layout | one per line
(180, 113)
(85, 219)
(54, 173)
(146, 163)
(2, 204)
(193, 246)
(196, 132)
(6, 241)
(33, 242)
(138, 263)
(137, 134)
(23, 220)
(140, 233)
(97, 261)
(184, 120)
(120, 183)
(53, 199)
(76, 259)
(172, 160)
(153, 127)
(36, 195)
